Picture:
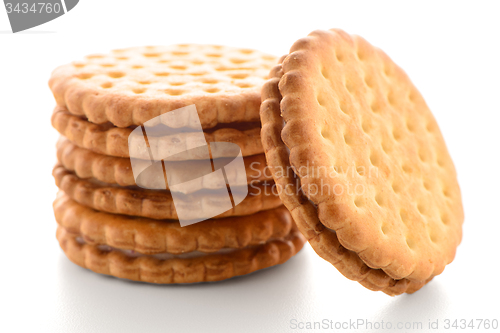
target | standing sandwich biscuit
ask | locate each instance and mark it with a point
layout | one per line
(360, 162)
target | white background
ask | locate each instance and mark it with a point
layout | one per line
(450, 50)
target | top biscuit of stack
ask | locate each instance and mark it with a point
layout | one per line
(131, 86)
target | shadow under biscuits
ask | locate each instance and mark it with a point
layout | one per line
(429, 304)
(94, 300)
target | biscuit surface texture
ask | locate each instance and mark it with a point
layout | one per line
(323, 240)
(368, 155)
(131, 86)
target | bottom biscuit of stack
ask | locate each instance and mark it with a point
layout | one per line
(161, 251)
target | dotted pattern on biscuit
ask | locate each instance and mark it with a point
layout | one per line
(347, 105)
(324, 241)
(131, 86)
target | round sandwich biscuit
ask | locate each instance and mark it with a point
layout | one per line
(189, 267)
(110, 140)
(117, 170)
(150, 236)
(158, 204)
(131, 86)
(361, 163)
(324, 241)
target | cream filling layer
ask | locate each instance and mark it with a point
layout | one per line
(165, 255)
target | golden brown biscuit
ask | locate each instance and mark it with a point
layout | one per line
(156, 204)
(131, 86)
(148, 236)
(109, 140)
(184, 268)
(323, 240)
(362, 234)
(117, 170)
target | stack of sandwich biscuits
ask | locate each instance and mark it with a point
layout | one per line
(161, 169)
